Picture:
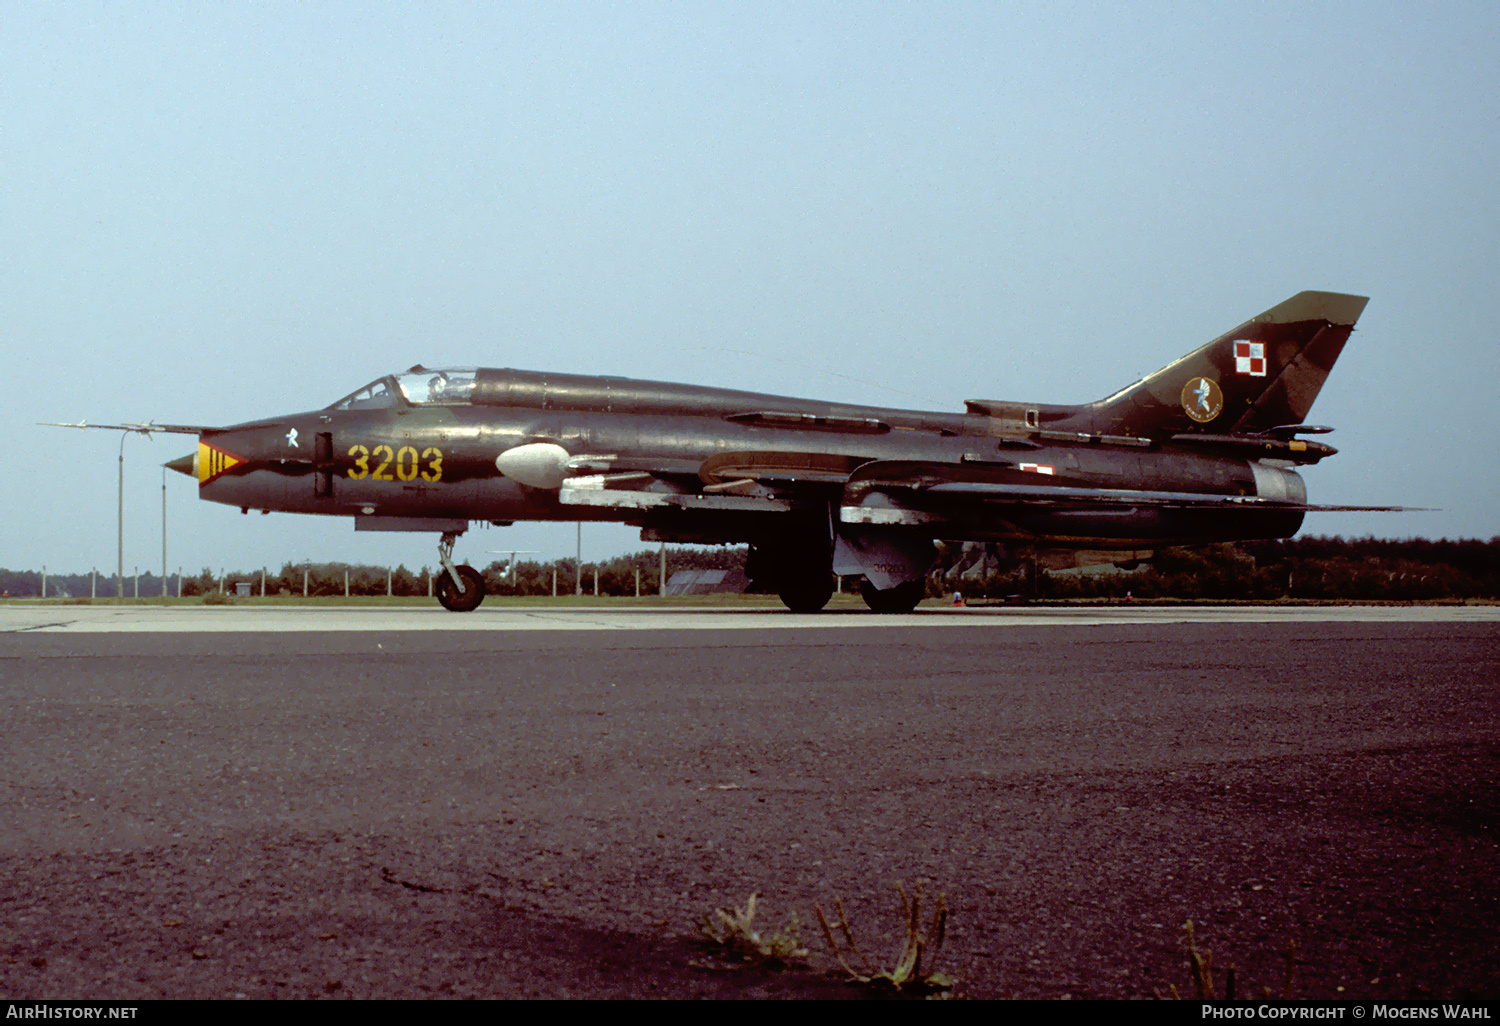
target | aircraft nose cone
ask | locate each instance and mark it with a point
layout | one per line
(184, 464)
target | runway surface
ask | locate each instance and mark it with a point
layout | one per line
(130, 619)
(407, 803)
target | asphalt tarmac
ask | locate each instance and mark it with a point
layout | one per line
(404, 803)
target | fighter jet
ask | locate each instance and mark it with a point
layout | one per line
(1204, 450)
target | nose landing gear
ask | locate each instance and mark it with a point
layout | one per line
(460, 588)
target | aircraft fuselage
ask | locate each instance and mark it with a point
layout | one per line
(1203, 450)
(439, 461)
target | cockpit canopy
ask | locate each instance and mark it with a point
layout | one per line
(418, 387)
(437, 387)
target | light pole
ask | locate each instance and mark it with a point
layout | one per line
(163, 532)
(125, 430)
(120, 536)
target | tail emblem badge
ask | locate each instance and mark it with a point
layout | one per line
(1202, 399)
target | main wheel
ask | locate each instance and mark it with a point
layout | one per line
(797, 565)
(903, 598)
(806, 593)
(464, 601)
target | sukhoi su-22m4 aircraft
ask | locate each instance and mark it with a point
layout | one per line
(1204, 450)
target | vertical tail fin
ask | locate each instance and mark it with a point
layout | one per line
(1263, 374)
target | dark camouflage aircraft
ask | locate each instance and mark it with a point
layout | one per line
(1203, 450)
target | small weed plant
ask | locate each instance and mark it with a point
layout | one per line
(914, 969)
(1200, 964)
(733, 931)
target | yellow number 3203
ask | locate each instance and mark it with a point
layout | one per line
(405, 463)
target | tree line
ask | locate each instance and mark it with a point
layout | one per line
(616, 576)
(1313, 567)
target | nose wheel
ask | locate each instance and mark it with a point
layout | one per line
(463, 599)
(460, 588)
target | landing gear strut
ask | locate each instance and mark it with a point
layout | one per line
(460, 588)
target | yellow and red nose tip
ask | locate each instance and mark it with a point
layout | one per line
(206, 464)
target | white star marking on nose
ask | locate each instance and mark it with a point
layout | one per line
(291, 436)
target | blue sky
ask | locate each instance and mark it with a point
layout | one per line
(216, 212)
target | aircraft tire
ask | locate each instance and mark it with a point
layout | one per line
(903, 598)
(465, 601)
(808, 594)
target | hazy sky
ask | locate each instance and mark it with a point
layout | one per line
(217, 212)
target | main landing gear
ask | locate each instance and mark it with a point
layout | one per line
(460, 588)
(798, 566)
(903, 598)
(806, 591)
